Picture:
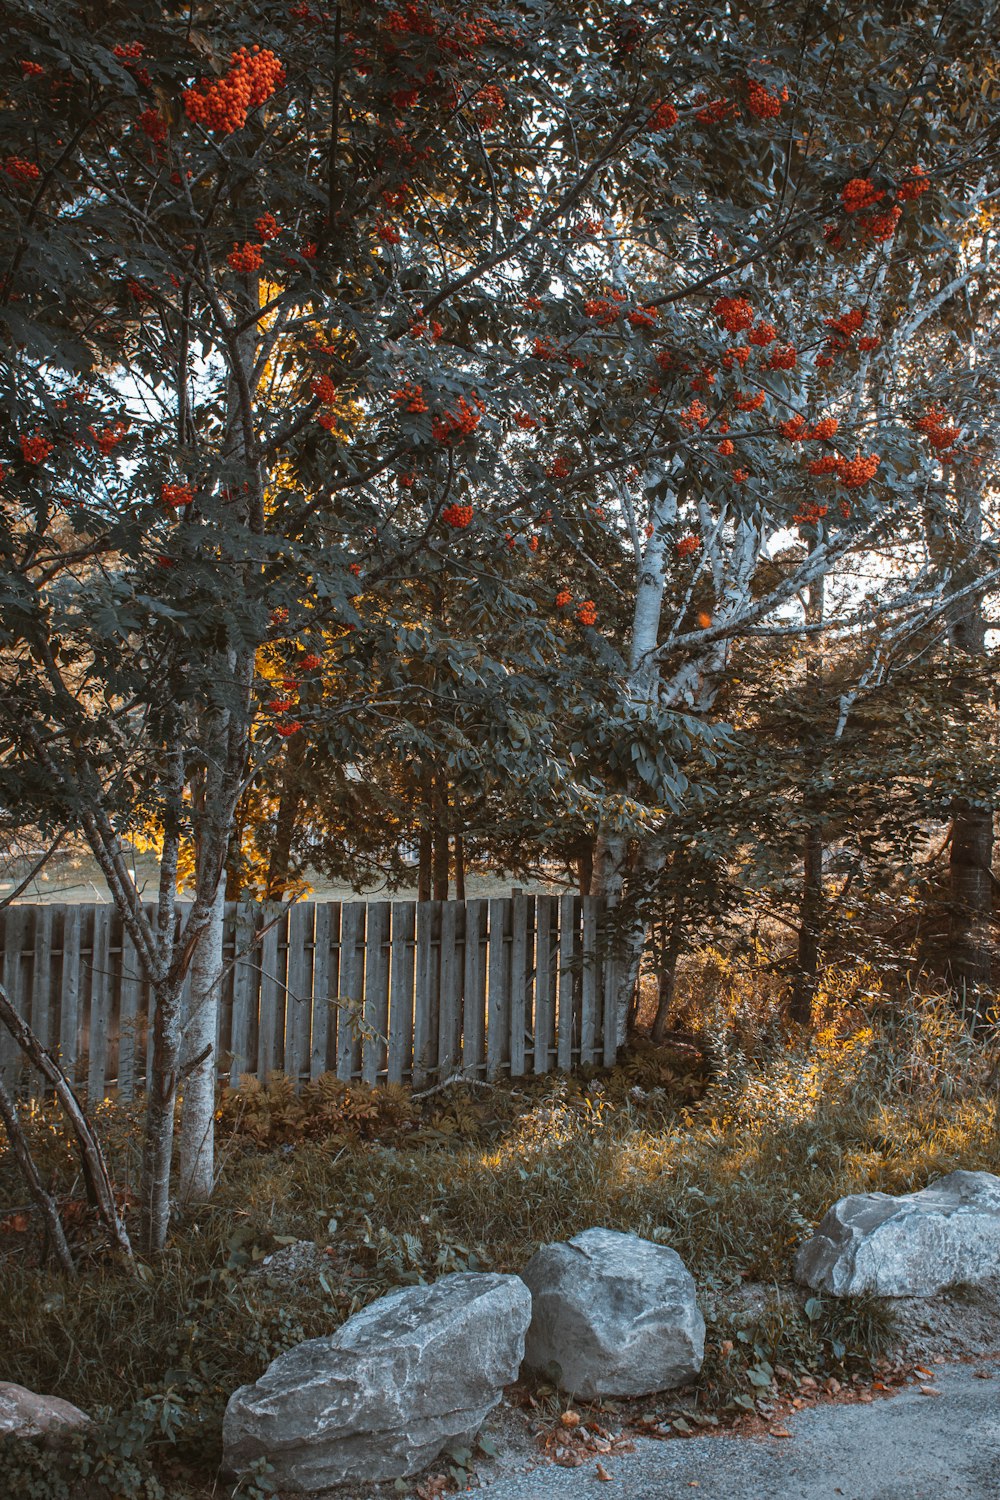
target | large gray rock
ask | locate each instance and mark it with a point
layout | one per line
(383, 1395)
(910, 1246)
(616, 1313)
(25, 1415)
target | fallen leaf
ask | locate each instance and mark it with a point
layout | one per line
(929, 1390)
(602, 1473)
(781, 1432)
(570, 1419)
(983, 1374)
(922, 1370)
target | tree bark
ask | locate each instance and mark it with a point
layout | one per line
(459, 867)
(198, 1070)
(667, 972)
(158, 1137)
(442, 857)
(971, 892)
(811, 903)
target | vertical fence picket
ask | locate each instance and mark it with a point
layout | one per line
(270, 1023)
(128, 1016)
(522, 932)
(41, 973)
(450, 1012)
(401, 965)
(546, 914)
(69, 1000)
(567, 957)
(375, 1041)
(474, 1002)
(427, 992)
(246, 988)
(498, 989)
(99, 988)
(15, 922)
(352, 989)
(320, 1004)
(298, 998)
(589, 991)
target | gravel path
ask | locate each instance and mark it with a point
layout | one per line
(906, 1447)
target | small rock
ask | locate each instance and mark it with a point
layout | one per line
(381, 1397)
(25, 1415)
(910, 1246)
(616, 1313)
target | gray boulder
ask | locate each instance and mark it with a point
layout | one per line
(616, 1313)
(25, 1415)
(910, 1246)
(382, 1396)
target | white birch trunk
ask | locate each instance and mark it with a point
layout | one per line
(198, 1064)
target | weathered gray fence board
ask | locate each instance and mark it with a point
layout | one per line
(589, 981)
(546, 927)
(352, 989)
(498, 990)
(298, 1001)
(474, 1016)
(401, 965)
(100, 1001)
(388, 991)
(521, 934)
(567, 957)
(321, 1007)
(450, 1010)
(373, 1052)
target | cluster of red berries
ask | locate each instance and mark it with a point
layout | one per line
(412, 397)
(687, 545)
(324, 389)
(881, 227)
(713, 111)
(177, 494)
(604, 310)
(760, 102)
(828, 464)
(222, 104)
(737, 356)
(734, 313)
(662, 116)
(586, 612)
(869, 342)
(794, 429)
(809, 514)
(267, 227)
(490, 102)
(725, 448)
(763, 334)
(31, 69)
(860, 193)
(129, 53)
(559, 468)
(914, 186)
(418, 328)
(525, 421)
(34, 450)
(563, 598)
(643, 317)
(740, 476)
(246, 259)
(152, 123)
(695, 415)
(310, 662)
(744, 402)
(109, 437)
(458, 516)
(387, 233)
(857, 471)
(824, 429)
(934, 425)
(459, 422)
(19, 169)
(784, 357)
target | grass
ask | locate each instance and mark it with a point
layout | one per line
(729, 1151)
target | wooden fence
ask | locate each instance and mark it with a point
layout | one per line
(382, 991)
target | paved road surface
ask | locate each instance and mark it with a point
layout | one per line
(905, 1447)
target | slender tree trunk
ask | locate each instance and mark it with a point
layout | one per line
(459, 867)
(667, 973)
(288, 811)
(442, 858)
(161, 1100)
(198, 1070)
(426, 863)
